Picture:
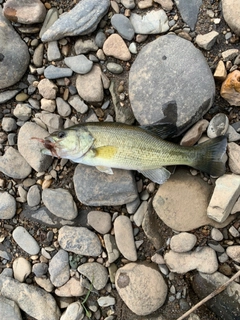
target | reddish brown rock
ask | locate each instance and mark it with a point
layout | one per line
(230, 89)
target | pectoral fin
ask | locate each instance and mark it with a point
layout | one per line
(159, 175)
(104, 169)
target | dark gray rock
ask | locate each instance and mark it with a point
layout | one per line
(7, 95)
(123, 26)
(170, 81)
(95, 188)
(82, 19)
(14, 56)
(189, 11)
(226, 305)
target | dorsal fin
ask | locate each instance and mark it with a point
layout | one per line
(162, 130)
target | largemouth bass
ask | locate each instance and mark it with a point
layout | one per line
(116, 145)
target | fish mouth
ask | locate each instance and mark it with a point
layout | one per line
(49, 145)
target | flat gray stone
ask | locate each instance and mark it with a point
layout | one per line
(34, 301)
(79, 240)
(101, 189)
(14, 56)
(59, 268)
(82, 19)
(100, 221)
(79, 64)
(13, 164)
(189, 11)
(191, 95)
(60, 202)
(52, 72)
(123, 26)
(7, 95)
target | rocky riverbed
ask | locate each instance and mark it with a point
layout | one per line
(76, 243)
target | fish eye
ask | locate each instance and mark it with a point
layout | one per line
(61, 134)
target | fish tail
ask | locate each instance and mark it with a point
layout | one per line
(210, 156)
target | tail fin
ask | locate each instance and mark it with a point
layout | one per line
(210, 156)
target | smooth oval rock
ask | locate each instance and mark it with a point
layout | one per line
(100, 221)
(25, 240)
(21, 269)
(14, 54)
(123, 26)
(141, 287)
(79, 64)
(183, 242)
(187, 104)
(231, 13)
(59, 268)
(116, 47)
(234, 252)
(7, 205)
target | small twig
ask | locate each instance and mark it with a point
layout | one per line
(210, 296)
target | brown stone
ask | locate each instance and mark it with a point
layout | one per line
(116, 47)
(230, 89)
(220, 72)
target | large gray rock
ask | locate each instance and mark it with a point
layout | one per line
(189, 11)
(9, 309)
(95, 188)
(170, 81)
(231, 13)
(226, 305)
(34, 301)
(82, 19)
(14, 56)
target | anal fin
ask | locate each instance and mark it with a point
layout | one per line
(159, 175)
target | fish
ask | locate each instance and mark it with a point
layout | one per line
(108, 145)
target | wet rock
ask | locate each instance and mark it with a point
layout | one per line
(59, 269)
(96, 273)
(226, 193)
(152, 22)
(163, 54)
(92, 93)
(32, 300)
(141, 287)
(116, 47)
(9, 309)
(79, 240)
(82, 19)
(178, 194)
(14, 54)
(226, 304)
(124, 237)
(206, 41)
(183, 242)
(60, 202)
(24, 11)
(116, 189)
(204, 260)
(123, 26)
(230, 89)
(7, 205)
(189, 11)
(25, 240)
(100, 221)
(220, 71)
(231, 12)
(218, 126)
(30, 148)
